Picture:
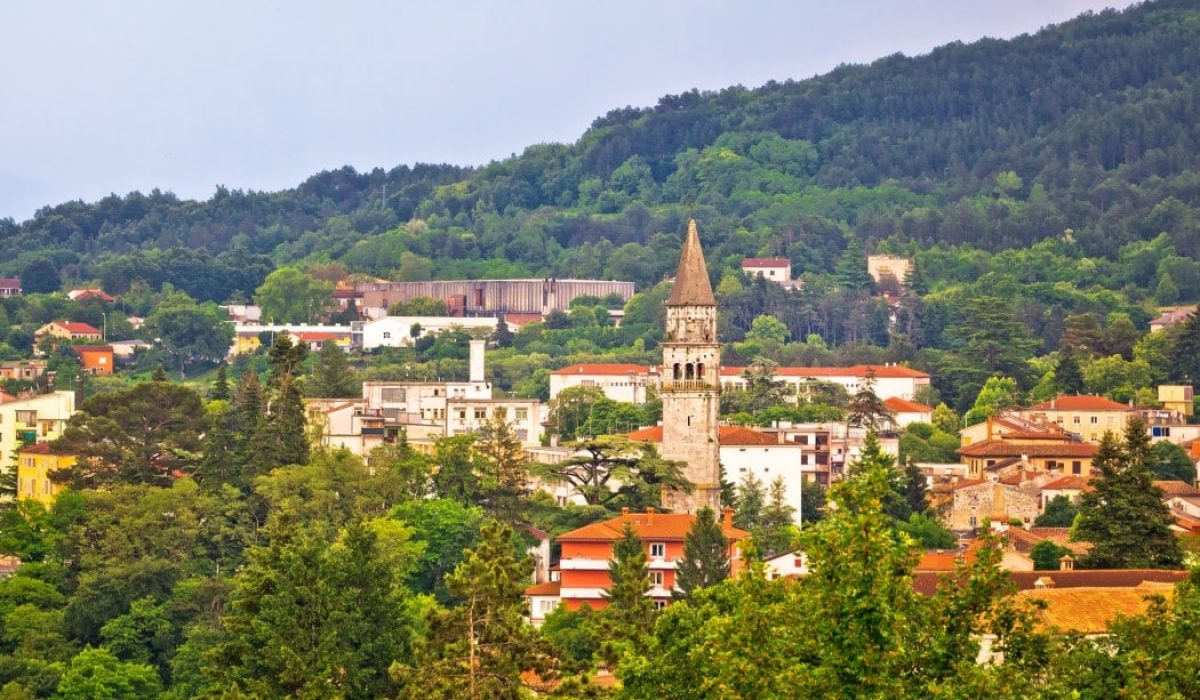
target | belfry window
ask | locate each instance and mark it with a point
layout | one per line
(678, 373)
(689, 372)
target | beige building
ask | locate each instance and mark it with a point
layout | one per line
(30, 420)
(774, 269)
(1177, 397)
(1038, 452)
(619, 382)
(881, 266)
(1089, 417)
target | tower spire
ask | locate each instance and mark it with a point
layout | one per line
(692, 287)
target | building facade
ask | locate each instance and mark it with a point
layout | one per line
(35, 464)
(30, 420)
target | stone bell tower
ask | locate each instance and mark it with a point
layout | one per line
(691, 383)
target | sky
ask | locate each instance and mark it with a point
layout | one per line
(121, 95)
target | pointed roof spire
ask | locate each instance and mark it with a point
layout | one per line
(692, 287)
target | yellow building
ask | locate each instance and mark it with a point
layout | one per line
(26, 421)
(1177, 397)
(35, 464)
(1086, 416)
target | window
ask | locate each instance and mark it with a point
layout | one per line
(1075, 420)
(1095, 420)
(462, 414)
(387, 335)
(1076, 467)
(547, 606)
(587, 382)
(974, 521)
(27, 417)
(394, 395)
(500, 412)
(480, 413)
(656, 579)
(521, 414)
(660, 604)
(658, 550)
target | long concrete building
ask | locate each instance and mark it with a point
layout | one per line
(490, 297)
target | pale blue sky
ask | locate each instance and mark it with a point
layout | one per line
(100, 97)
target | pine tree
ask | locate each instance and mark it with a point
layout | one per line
(286, 435)
(752, 497)
(1123, 516)
(1068, 377)
(503, 335)
(775, 533)
(866, 409)
(503, 466)
(220, 387)
(248, 425)
(332, 376)
(1167, 292)
(630, 613)
(705, 560)
(479, 648)
(915, 488)
(851, 268)
(872, 457)
(1186, 336)
(160, 374)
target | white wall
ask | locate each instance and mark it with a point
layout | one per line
(767, 463)
(396, 331)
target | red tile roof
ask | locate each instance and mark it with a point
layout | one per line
(766, 262)
(927, 583)
(968, 483)
(1003, 448)
(91, 348)
(547, 588)
(604, 369)
(1089, 610)
(728, 435)
(78, 327)
(881, 371)
(648, 526)
(41, 448)
(1175, 487)
(898, 405)
(318, 336)
(1080, 403)
(1069, 482)
(10, 282)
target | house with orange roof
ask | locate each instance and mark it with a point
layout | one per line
(773, 269)
(905, 412)
(976, 500)
(1170, 316)
(1071, 486)
(587, 551)
(90, 293)
(1053, 454)
(96, 359)
(68, 330)
(748, 451)
(1084, 415)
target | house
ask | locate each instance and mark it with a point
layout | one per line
(1170, 317)
(1087, 416)
(766, 456)
(124, 350)
(619, 382)
(10, 286)
(403, 331)
(347, 423)
(1177, 397)
(249, 337)
(789, 565)
(1071, 486)
(906, 412)
(244, 314)
(22, 370)
(1036, 451)
(88, 294)
(1090, 610)
(96, 359)
(69, 330)
(470, 298)
(32, 419)
(316, 339)
(587, 551)
(1183, 499)
(995, 427)
(976, 500)
(774, 269)
(465, 416)
(35, 464)
(883, 266)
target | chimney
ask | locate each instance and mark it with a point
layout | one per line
(650, 515)
(477, 360)
(727, 520)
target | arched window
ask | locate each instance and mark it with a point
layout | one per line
(678, 374)
(689, 372)
(700, 370)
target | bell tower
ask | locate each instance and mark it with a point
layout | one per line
(691, 383)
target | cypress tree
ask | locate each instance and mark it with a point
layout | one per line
(1124, 516)
(705, 560)
(248, 426)
(502, 336)
(775, 532)
(914, 488)
(752, 497)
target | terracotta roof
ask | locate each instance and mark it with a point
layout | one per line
(881, 371)
(78, 327)
(766, 262)
(1171, 316)
(522, 319)
(648, 526)
(1003, 448)
(927, 582)
(1040, 435)
(1079, 403)
(1069, 482)
(1003, 464)
(692, 287)
(85, 294)
(318, 336)
(605, 369)
(899, 405)
(1019, 478)
(728, 435)
(91, 348)
(1175, 487)
(547, 588)
(41, 448)
(10, 282)
(1089, 610)
(968, 483)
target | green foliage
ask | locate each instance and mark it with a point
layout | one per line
(447, 529)
(190, 332)
(997, 394)
(705, 561)
(288, 295)
(419, 306)
(96, 673)
(332, 376)
(614, 472)
(1059, 512)
(1046, 555)
(926, 531)
(1170, 461)
(629, 613)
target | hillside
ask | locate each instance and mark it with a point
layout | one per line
(1088, 125)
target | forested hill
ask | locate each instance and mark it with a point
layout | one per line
(1090, 125)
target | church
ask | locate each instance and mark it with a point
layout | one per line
(691, 382)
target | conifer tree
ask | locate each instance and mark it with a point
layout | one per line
(1186, 363)
(866, 409)
(851, 268)
(1123, 516)
(502, 337)
(630, 613)
(915, 488)
(220, 387)
(501, 461)
(775, 532)
(705, 560)
(752, 497)
(286, 436)
(332, 376)
(478, 649)
(160, 374)
(1068, 377)
(248, 425)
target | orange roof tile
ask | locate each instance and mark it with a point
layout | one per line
(547, 588)
(728, 435)
(648, 526)
(899, 405)
(605, 369)
(1080, 403)
(766, 262)
(78, 327)
(1069, 482)
(1175, 487)
(1003, 448)
(881, 371)
(1090, 610)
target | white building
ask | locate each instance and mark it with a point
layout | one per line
(468, 416)
(402, 331)
(774, 269)
(619, 382)
(906, 412)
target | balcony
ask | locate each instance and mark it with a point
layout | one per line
(673, 385)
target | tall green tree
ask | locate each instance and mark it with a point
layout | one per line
(479, 648)
(776, 533)
(866, 409)
(630, 612)
(503, 468)
(705, 560)
(751, 499)
(286, 424)
(332, 376)
(220, 386)
(612, 470)
(289, 295)
(1068, 377)
(1185, 365)
(1123, 515)
(189, 332)
(96, 673)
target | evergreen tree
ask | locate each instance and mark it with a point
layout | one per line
(220, 387)
(220, 462)
(503, 336)
(851, 269)
(1167, 292)
(630, 612)
(866, 409)
(332, 376)
(915, 489)
(1185, 364)
(812, 501)
(1123, 516)
(775, 533)
(455, 477)
(1068, 377)
(160, 374)
(500, 458)
(1059, 512)
(752, 497)
(479, 648)
(705, 560)
(286, 437)
(872, 457)
(946, 419)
